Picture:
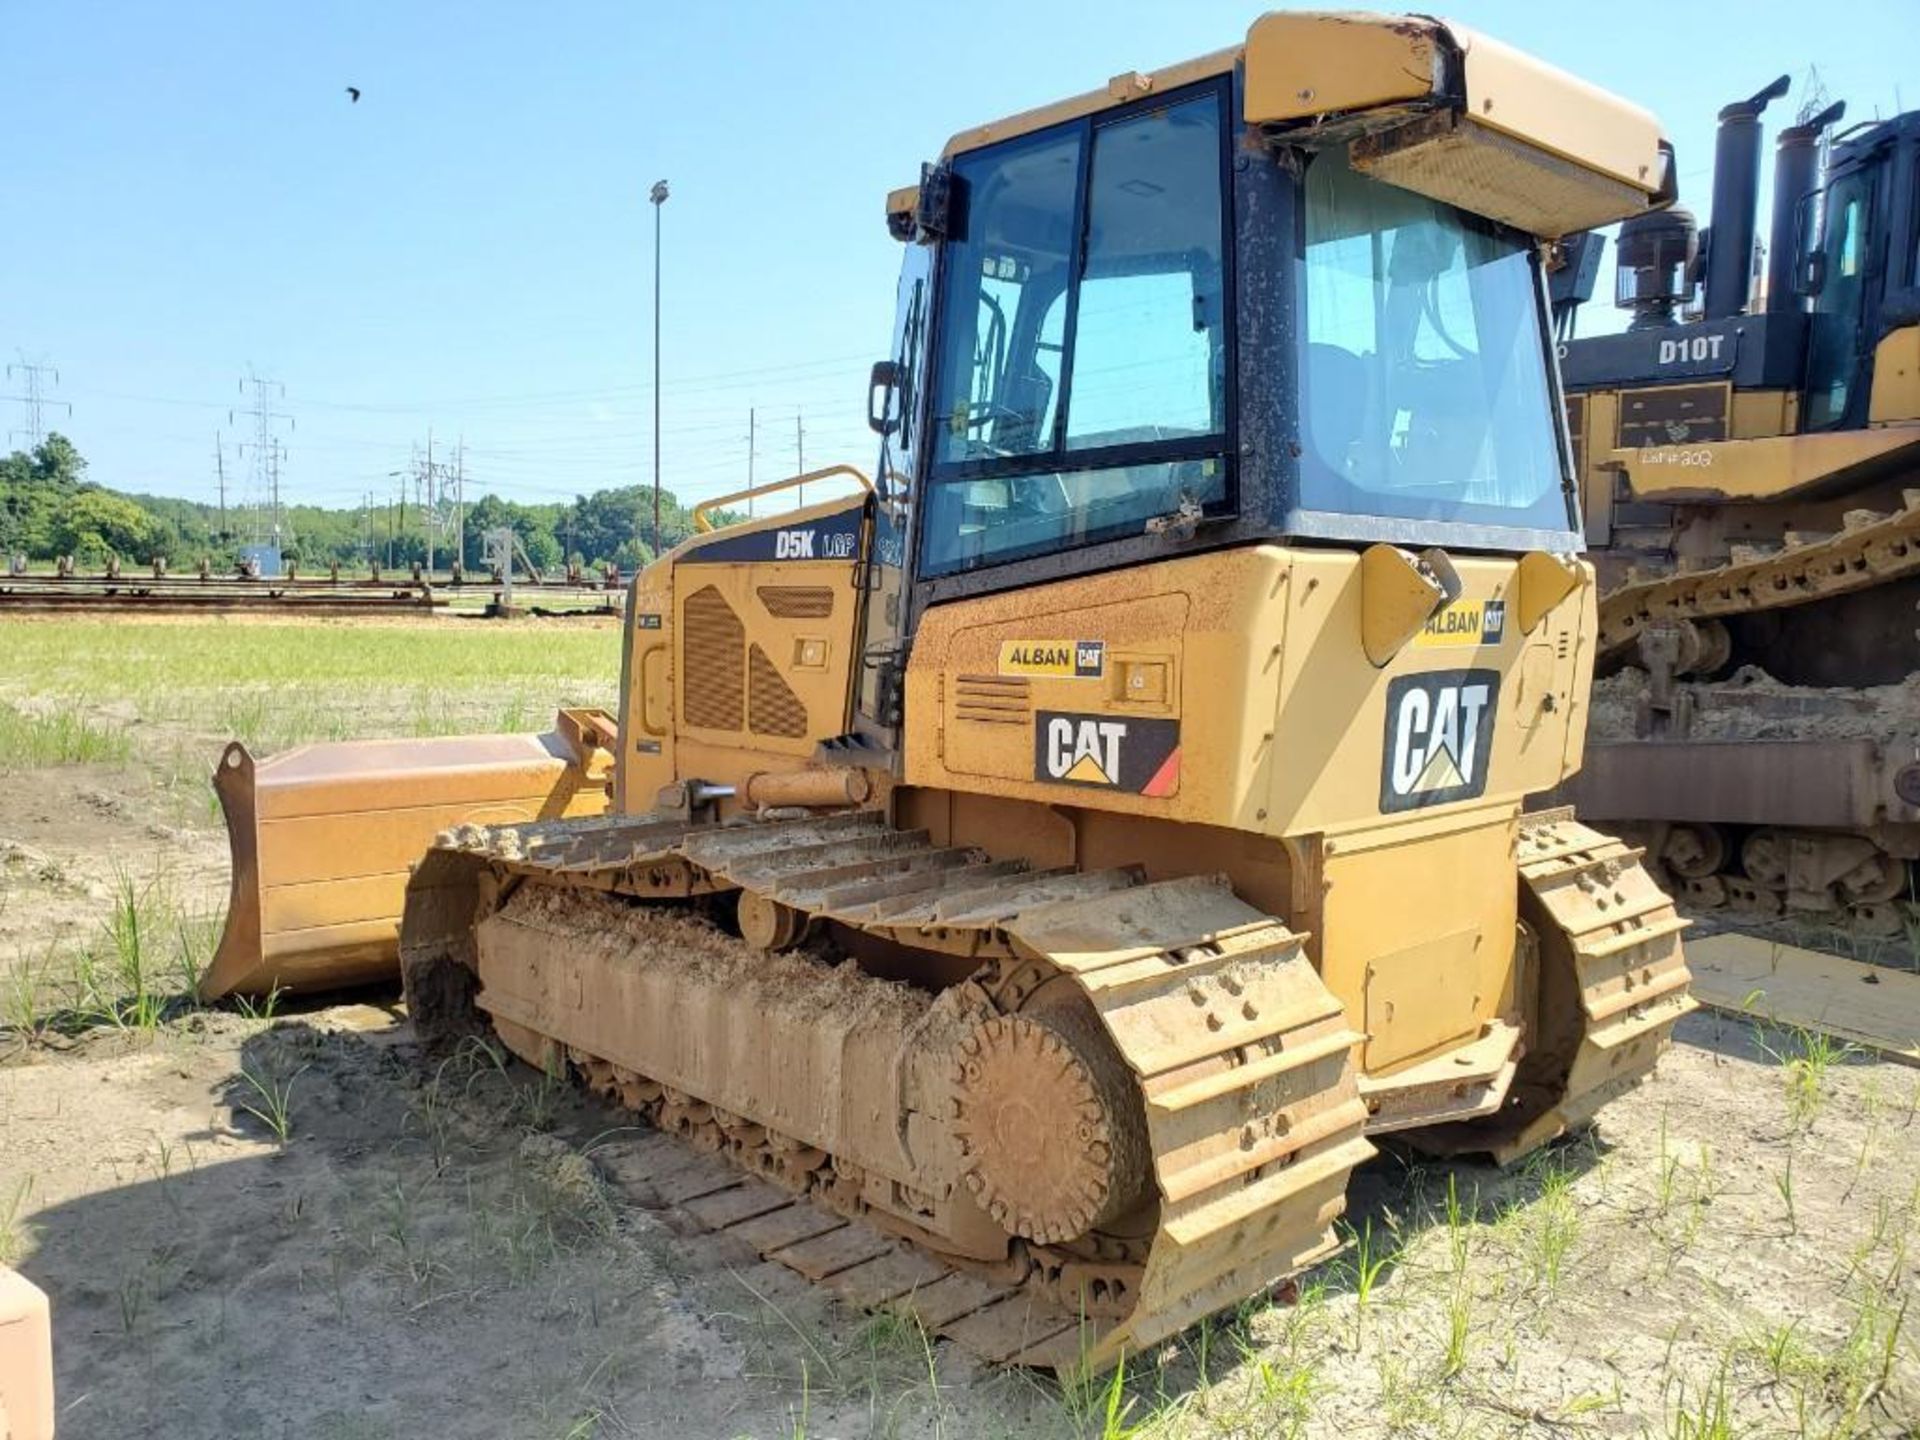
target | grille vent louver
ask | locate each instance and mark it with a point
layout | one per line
(772, 707)
(992, 699)
(713, 655)
(796, 602)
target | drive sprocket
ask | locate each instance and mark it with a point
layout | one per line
(1052, 1143)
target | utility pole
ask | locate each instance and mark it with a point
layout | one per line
(32, 398)
(428, 504)
(460, 500)
(220, 477)
(267, 450)
(750, 428)
(658, 196)
(800, 452)
(423, 497)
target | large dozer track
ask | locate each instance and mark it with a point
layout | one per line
(1873, 548)
(1138, 1105)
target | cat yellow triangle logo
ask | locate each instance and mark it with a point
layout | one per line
(1086, 770)
(1441, 773)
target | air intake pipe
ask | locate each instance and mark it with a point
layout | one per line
(1736, 199)
(1796, 167)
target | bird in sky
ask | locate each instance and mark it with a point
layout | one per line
(353, 94)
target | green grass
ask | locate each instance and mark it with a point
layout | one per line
(1805, 1058)
(138, 969)
(32, 741)
(277, 684)
(269, 1099)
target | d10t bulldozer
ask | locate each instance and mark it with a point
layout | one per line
(1751, 473)
(1068, 849)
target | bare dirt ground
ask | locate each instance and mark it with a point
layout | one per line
(299, 1226)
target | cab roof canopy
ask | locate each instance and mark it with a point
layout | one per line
(1424, 104)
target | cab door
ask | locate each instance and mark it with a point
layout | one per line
(1838, 352)
(896, 414)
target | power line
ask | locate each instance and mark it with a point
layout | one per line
(32, 398)
(798, 372)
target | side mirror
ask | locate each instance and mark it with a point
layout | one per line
(1813, 274)
(885, 376)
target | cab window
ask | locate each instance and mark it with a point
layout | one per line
(1082, 379)
(1833, 342)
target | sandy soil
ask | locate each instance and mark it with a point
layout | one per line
(463, 1250)
(470, 1249)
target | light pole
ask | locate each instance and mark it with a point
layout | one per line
(658, 195)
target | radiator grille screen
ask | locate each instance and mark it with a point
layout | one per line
(773, 708)
(713, 657)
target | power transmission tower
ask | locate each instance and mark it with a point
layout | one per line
(32, 398)
(438, 487)
(267, 449)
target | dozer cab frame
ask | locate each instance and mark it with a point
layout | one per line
(1064, 853)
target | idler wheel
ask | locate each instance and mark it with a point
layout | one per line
(1051, 1133)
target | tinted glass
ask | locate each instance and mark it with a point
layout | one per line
(975, 522)
(1150, 335)
(1125, 288)
(1000, 357)
(1424, 385)
(1833, 344)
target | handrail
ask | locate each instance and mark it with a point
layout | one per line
(702, 525)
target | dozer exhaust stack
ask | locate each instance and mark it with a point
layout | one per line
(322, 837)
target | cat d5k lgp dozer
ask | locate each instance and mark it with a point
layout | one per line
(1063, 854)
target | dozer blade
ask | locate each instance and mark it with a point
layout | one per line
(323, 837)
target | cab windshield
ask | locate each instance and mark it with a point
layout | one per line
(1423, 368)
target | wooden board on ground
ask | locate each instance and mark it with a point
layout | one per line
(1868, 1005)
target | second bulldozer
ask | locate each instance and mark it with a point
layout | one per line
(1066, 852)
(1751, 472)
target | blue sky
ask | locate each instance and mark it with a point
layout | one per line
(469, 249)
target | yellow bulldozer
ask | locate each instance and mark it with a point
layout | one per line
(1066, 850)
(1751, 475)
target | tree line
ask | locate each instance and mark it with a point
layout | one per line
(48, 508)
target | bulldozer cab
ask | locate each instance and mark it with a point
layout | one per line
(1173, 320)
(1862, 270)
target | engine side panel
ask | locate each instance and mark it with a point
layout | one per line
(1233, 689)
(740, 651)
